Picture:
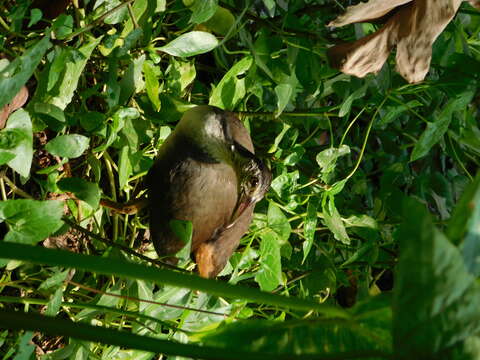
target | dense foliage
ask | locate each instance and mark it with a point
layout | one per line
(366, 245)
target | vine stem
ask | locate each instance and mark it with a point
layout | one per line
(14, 187)
(126, 249)
(97, 21)
(362, 151)
(108, 163)
(135, 299)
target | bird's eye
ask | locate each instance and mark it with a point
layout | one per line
(254, 182)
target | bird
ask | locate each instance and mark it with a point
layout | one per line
(205, 172)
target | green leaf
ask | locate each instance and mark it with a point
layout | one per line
(466, 206)
(62, 93)
(124, 167)
(347, 104)
(221, 22)
(30, 221)
(181, 74)
(317, 338)
(436, 301)
(132, 81)
(191, 44)
(35, 17)
(435, 130)
(69, 146)
(18, 320)
(231, 89)
(202, 10)
(333, 220)
(309, 227)
(269, 276)
(278, 222)
(25, 347)
(63, 26)
(279, 138)
(122, 268)
(51, 114)
(151, 83)
(270, 6)
(18, 132)
(394, 111)
(469, 215)
(17, 73)
(284, 92)
(55, 302)
(327, 159)
(82, 189)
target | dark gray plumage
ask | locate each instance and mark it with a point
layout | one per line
(205, 172)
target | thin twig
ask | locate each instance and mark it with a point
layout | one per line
(97, 21)
(121, 247)
(300, 113)
(132, 16)
(14, 187)
(145, 300)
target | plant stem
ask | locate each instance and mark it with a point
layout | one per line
(108, 162)
(97, 21)
(119, 246)
(14, 187)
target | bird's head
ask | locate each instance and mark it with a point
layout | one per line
(217, 137)
(208, 129)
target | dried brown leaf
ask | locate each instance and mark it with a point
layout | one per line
(419, 28)
(366, 55)
(363, 12)
(17, 102)
(413, 29)
(475, 3)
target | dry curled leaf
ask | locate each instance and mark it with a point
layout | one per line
(17, 102)
(413, 29)
(363, 12)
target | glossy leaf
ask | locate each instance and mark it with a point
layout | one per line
(231, 89)
(69, 146)
(333, 220)
(17, 152)
(190, 44)
(152, 84)
(269, 276)
(309, 227)
(278, 222)
(62, 93)
(284, 92)
(30, 221)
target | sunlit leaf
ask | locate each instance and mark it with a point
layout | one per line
(269, 276)
(16, 143)
(190, 44)
(30, 221)
(69, 146)
(231, 89)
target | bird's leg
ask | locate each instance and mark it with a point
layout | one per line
(129, 208)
